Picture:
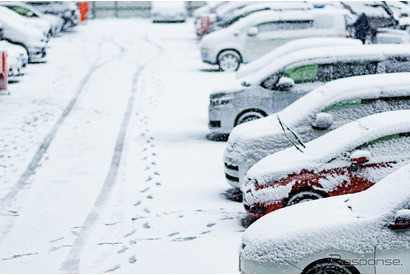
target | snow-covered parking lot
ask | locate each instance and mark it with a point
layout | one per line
(105, 162)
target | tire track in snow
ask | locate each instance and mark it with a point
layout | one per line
(72, 262)
(35, 163)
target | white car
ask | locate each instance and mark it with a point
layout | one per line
(36, 15)
(367, 232)
(274, 87)
(322, 110)
(16, 57)
(168, 11)
(291, 46)
(395, 35)
(238, 14)
(16, 32)
(40, 24)
(257, 34)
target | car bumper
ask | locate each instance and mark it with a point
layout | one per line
(219, 119)
(37, 54)
(259, 210)
(247, 266)
(208, 57)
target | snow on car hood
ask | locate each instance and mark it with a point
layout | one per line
(257, 139)
(321, 150)
(227, 90)
(295, 232)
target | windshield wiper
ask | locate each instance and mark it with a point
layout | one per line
(294, 134)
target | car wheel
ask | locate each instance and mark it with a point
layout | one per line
(303, 196)
(249, 116)
(229, 61)
(330, 267)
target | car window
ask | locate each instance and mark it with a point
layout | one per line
(342, 70)
(398, 64)
(284, 25)
(397, 145)
(350, 110)
(21, 10)
(309, 73)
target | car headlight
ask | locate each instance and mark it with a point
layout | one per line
(220, 101)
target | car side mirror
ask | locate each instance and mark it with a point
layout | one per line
(401, 220)
(285, 83)
(359, 157)
(323, 121)
(253, 31)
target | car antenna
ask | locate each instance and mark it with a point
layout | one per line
(283, 129)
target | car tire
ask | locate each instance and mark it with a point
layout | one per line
(304, 195)
(330, 266)
(229, 61)
(248, 116)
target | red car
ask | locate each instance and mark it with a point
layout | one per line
(349, 159)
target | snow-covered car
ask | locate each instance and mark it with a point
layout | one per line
(274, 87)
(216, 12)
(347, 160)
(168, 11)
(16, 57)
(67, 10)
(16, 32)
(38, 23)
(317, 113)
(257, 34)
(395, 35)
(367, 232)
(247, 10)
(291, 46)
(378, 13)
(34, 14)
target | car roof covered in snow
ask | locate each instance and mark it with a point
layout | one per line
(293, 233)
(321, 150)
(329, 54)
(292, 46)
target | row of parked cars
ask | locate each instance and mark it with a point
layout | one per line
(27, 27)
(319, 133)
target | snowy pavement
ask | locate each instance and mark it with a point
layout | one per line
(105, 164)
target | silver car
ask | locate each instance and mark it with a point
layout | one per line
(324, 109)
(276, 86)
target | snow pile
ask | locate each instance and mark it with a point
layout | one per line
(352, 223)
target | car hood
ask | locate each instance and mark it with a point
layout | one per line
(257, 139)
(293, 233)
(227, 90)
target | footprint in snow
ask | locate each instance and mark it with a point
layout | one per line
(132, 259)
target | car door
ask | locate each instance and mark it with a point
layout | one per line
(343, 69)
(388, 153)
(303, 79)
(263, 37)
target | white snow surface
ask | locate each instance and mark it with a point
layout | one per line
(76, 198)
(293, 233)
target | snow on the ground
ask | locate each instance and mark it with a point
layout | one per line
(125, 180)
